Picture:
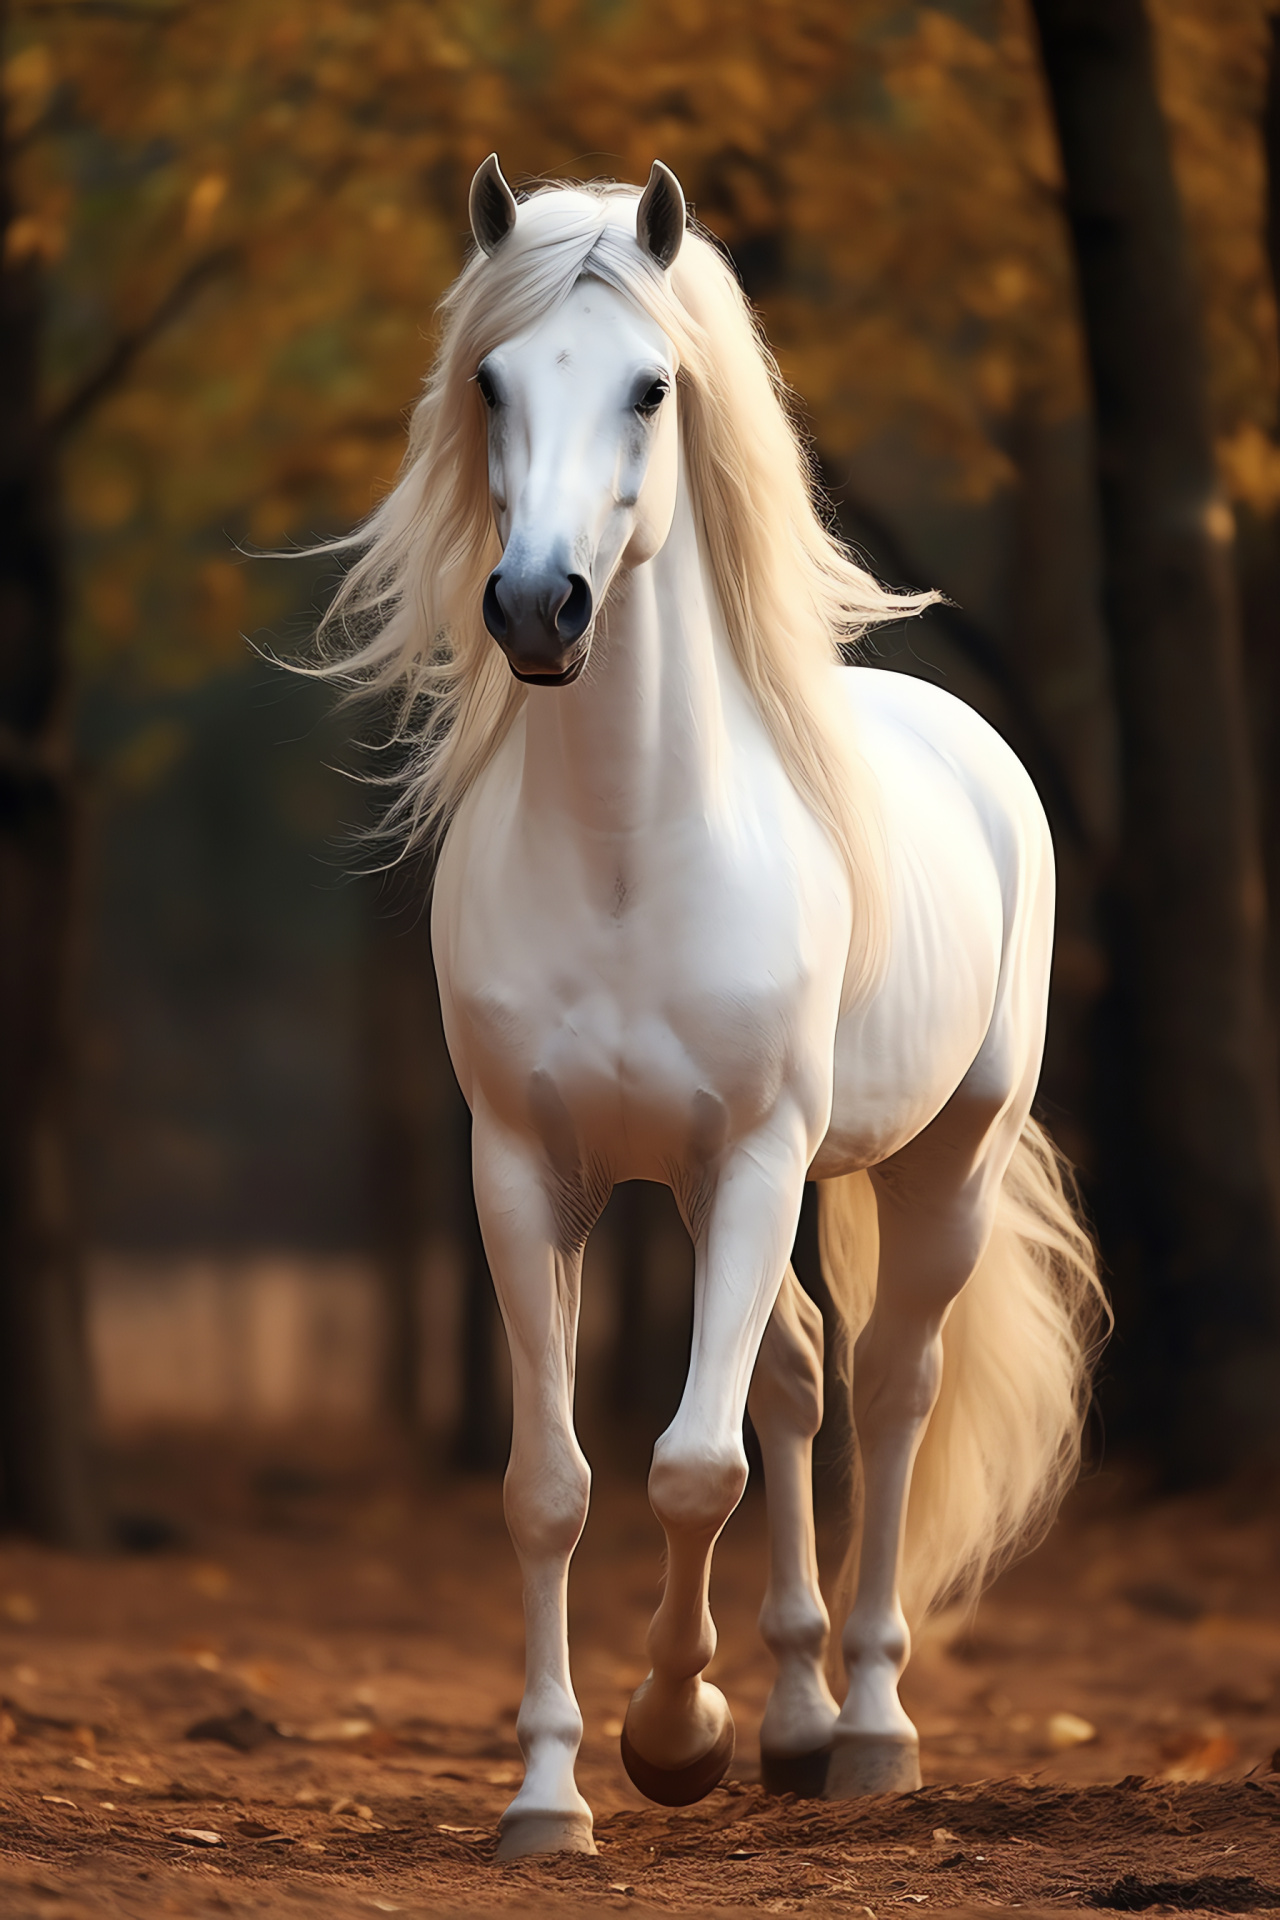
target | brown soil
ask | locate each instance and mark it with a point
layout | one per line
(362, 1642)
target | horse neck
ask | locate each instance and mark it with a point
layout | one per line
(637, 742)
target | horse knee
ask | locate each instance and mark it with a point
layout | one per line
(546, 1507)
(694, 1489)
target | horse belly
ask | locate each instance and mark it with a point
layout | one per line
(895, 1070)
(965, 835)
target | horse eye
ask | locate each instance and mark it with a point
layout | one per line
(651, 399)
(488, 392)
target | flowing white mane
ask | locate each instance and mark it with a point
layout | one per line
(408, 614)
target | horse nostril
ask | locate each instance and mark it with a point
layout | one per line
(491, 607)
(573, 616)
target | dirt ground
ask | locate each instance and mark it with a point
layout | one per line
(1101, 1737)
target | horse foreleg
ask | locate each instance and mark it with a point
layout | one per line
(547, 1484)
(927, 1251)
(785, 1404)
(678, 1737)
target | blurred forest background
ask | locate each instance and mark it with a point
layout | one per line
(1018, 262)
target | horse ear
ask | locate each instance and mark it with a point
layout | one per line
(491, 205)
(661, 215)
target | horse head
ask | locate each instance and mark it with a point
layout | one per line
(583, 443)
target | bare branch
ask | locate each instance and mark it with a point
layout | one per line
(119, 359)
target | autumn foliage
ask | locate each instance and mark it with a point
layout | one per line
(241, 214)
(255, 204)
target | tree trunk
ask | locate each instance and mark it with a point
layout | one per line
(1194, 1118)
(1260, 560)
(404, 1054)
(46, 1478)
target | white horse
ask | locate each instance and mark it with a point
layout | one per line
(716, 910)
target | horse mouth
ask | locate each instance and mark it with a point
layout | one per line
(565, 677)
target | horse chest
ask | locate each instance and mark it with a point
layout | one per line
(646, 1026)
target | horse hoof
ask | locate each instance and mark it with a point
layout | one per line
(533, 1832)
(680, 1786)
(864, 1763)
(804, 1774)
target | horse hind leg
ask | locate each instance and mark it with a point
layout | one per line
(926, 1255)
(785, 1404)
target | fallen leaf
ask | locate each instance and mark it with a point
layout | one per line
(1196, 1756)
(1069, 1730)
(196, 1836)
(327, 1730)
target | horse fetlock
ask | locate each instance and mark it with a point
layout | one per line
(875, 1646)
(549, 1722)
(795, 1626)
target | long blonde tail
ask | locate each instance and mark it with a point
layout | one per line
(1003, 1441)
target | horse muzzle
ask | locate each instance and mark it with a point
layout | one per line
(542, 622)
